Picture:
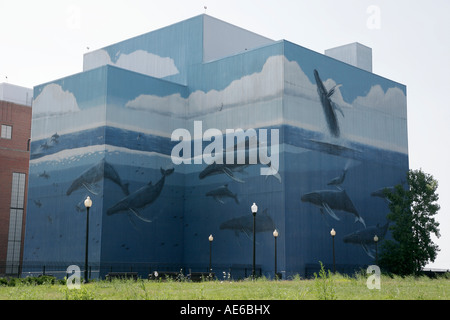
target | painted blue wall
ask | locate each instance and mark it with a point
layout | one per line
(107, 133)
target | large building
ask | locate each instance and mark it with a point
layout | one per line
(15, 121)
(142, 131)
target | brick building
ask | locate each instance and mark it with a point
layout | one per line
(15, 122)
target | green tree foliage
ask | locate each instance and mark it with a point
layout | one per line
(412, 211)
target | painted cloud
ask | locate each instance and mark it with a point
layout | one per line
(247, 89)
(260, 85)
(280, 77)
(173, 104)
(138, 61)
(391, 102)
(53, 100)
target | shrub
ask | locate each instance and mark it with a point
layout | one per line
(79, 294)
(40, 280)
(324, 284)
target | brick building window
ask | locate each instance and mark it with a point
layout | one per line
(6, 131)
(15, 223)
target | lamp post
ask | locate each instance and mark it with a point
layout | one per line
(333, 233)
(87, 204)
(210, 238)
(254, 211)
(275, 236)
(375, 239)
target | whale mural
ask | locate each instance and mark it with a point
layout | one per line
(102, 170)
(365, 237)
(222, 192)
(141, 198)
(329, 107)
(229, 169)
(128, 118)
(244, 224)
(331, 200)
(381, 193)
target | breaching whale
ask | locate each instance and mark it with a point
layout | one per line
(329, 107)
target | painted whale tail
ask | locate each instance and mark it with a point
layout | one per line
(167, 172)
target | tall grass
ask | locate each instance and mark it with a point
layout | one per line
(324, 286)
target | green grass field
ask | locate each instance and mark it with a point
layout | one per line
(331, 287)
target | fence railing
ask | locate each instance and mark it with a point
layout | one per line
(143, 269)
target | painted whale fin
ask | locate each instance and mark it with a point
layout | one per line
(236, 198)
(369, 253)
(132, 222)
(218, 199)
(229, 173)
(323, 217)
(137, 214)
(91, 188)
(332, 90)
(276, 175)
(125, 189)
(329, 211)
(360, 219)
(338, 108)
(246, 233)
(241, 169)
(167, 172)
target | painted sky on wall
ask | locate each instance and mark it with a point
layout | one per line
(45, 40)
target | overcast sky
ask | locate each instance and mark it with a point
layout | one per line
(45, 40)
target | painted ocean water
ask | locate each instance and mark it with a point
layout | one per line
(188, 208)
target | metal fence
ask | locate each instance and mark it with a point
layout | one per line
(143, 269)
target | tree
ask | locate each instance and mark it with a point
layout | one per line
(412, 211)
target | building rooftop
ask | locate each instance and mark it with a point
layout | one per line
(16, 94)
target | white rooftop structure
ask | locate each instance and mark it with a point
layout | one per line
(355, 54)
(16, 94)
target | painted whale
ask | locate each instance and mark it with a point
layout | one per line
(222, 192)
(140, 198)
(382, 193)
(329, 107)
(364, 237)
(337, 181)
(230, 169)
(102, 170)
(330, 200)
(223, 168)
(244, 224)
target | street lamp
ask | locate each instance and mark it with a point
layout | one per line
(254, 211)
(375, 239)
(210, 238)
(275, 236)
(333, 233)
(87, 204)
